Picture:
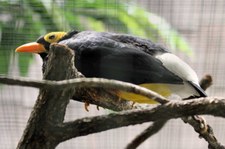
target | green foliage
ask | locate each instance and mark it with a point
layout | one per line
(25, 20)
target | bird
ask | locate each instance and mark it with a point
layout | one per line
(125, 58)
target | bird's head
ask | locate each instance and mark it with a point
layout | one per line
(42, 44)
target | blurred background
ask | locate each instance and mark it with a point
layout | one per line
(193, 30)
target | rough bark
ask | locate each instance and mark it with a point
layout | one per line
(171, 110)
(51, 104)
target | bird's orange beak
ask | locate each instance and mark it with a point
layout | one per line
(32, 47)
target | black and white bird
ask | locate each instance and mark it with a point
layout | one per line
(125, 58)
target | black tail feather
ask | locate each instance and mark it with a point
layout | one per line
(200, 91)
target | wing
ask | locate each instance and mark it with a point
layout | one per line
(107, 57)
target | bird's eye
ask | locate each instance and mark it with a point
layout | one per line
(51, 37)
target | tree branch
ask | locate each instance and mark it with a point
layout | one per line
(206, 82)
(50, 106)
(101, 92)
(173, 109)
(81, 83)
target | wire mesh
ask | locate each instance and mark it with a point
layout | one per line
(200, 23)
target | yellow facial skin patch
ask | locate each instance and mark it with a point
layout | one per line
(162, 89)
(54, 37)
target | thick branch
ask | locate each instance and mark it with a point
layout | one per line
(173, 109)
(51, 105)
